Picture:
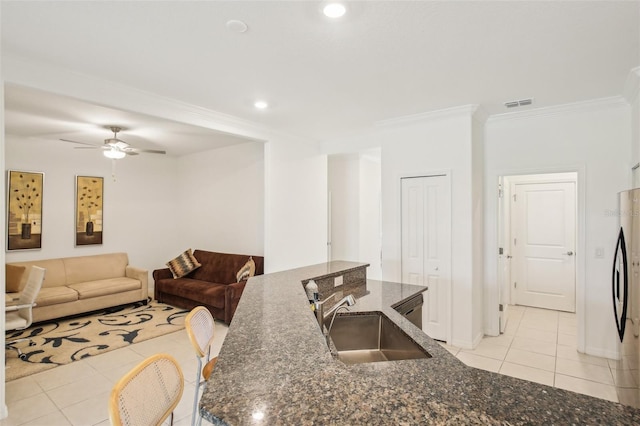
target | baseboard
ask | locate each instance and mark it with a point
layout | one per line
(465, 344)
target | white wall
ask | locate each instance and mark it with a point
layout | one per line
(593, 139)
(354, 184)
(344, 187)
(370, 250)
(220, 200)
(440, 143)
(477, 220)
(295, 204)
(138, 208)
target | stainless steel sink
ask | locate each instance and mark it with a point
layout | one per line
(372, 337)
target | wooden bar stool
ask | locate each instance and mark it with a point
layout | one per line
(147, 394)
(200, 325)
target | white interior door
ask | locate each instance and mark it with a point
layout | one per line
(426, 247)
(504, 256)
(543, 246)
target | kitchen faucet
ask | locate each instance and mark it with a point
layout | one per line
(348, 300)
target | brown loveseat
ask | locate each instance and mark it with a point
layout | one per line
(212, 285)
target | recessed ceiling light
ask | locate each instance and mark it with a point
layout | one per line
(236, 26)
(260, 104)
(334, 9)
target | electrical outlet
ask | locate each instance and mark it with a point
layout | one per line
(339, 280)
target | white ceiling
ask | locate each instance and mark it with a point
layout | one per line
(324, 79)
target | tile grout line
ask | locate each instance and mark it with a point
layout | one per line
(510, 344)
(555, 360)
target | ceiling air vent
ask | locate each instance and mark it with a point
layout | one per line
(521, 102)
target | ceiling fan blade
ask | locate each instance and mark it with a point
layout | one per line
(150, 151)
(81, 143)
(115, 144)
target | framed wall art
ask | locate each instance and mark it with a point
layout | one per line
(89, 206)
(24, 210)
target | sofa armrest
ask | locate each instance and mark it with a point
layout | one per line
(161, 274)
(141, 275)
(232, 294)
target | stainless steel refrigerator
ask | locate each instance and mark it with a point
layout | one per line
(626, 299)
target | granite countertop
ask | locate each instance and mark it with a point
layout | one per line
(275, 368)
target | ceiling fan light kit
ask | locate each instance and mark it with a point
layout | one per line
(115, 148)
(114, 154)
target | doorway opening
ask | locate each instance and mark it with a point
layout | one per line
(538, 230)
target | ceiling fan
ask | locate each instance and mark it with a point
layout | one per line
(115, 148)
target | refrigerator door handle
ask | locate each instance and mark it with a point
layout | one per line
(620, 277)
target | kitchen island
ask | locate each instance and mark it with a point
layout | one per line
(275, 368)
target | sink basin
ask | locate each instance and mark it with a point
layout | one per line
(372, 337)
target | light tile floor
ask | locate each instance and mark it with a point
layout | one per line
(540, 345)
(77, 394)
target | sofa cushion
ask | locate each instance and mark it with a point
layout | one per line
(97, 267)
(218, 267)
(54, 276)
(56, 295)
(184, 264)
(11, 298)
(13, 277)
(204, 292)
(247, 271)
(98, 288)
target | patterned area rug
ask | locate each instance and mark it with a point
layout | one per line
(67, 340)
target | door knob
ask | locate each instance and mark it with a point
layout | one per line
(569, 253)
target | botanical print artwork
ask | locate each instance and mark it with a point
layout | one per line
(24, 215)
(89, 206)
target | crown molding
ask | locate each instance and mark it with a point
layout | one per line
(632, 85)
(584, 106)
(429, 116)
(481, 115)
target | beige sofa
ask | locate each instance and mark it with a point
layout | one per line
(74, 285)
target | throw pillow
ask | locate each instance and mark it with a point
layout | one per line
(13, 276)
(248, 270)
(183, 264)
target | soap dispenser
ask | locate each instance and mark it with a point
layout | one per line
(312, 293)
